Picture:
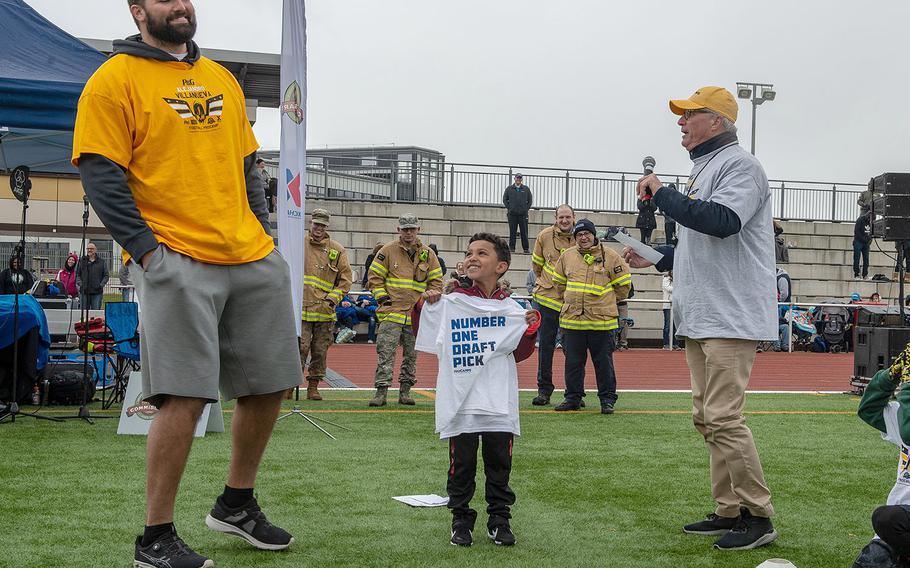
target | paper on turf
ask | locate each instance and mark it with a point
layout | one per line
(423, 500)
(639, 247)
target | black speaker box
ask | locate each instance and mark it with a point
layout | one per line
(876, 348)
(891, 207)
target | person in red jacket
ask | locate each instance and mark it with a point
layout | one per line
(486, 260)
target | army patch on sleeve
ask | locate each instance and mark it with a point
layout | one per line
(617, 269)
(380, 256)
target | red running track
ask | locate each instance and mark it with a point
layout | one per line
(646, 369)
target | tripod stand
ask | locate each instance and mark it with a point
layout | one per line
(84, 413)
(20, 185)
(311, 419)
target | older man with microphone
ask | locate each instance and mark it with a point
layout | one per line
(723, 304)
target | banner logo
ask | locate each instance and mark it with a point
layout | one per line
(291, 103)
(293, 187)
(142, 409)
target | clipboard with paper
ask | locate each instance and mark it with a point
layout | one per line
(639, 247)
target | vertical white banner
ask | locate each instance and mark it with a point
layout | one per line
(292, 164)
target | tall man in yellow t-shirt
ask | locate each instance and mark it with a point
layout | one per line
(167, 158)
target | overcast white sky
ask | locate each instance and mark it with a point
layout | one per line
(577, 83)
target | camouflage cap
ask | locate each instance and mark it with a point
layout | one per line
(408, 221)
(321, 216)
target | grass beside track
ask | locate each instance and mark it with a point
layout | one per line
(592, 490)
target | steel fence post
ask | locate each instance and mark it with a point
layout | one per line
(622, 194)
(567, 188)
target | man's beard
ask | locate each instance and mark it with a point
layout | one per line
(163, 31)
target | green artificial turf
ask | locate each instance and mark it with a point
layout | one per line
(592, 490)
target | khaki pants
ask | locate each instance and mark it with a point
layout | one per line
(720, 370)
(315, 339)
(388, 337)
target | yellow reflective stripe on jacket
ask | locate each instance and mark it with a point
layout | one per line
(378, 268)
(434, 274)
(394, 318)
(379, 292)
(557, 277)
(589, 325)
(334, 295)
(575, 286)
(316, 316)
(548, 302)
(318, 283)
(538, 260)
(622, 280)
(405, 283)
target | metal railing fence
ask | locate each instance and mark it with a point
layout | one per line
(453, 183)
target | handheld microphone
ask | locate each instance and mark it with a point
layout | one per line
(85, 208)
(648, 165)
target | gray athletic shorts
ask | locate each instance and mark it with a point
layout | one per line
(206, 326)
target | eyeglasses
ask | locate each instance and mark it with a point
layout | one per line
(689, 113)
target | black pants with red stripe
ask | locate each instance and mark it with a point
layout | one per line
(497, 465)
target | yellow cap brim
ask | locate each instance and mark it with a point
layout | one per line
(681, 106)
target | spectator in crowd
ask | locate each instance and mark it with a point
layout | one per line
(669, 224)
(14, 279)
(264, 176)
(327, 278)
(670, 341)
(442, 263)
(67, 275)
(906, 254)
(646, 222)
(369, 261)
(590, 277)
(366, 311)
(518, 200)
(530, 279)
(781, 251)
(402, 271)
(458, 278)
(91, 277)
(784, 286)
(345, 319)
(875, 297)
(124, 275)
(551, 242)
(862, 237)
(865, 198)
(726, 216)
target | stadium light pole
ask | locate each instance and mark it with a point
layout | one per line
(757, 93)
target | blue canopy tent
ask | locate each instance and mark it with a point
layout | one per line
(43, 70)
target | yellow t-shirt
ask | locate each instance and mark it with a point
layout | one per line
(181, 132)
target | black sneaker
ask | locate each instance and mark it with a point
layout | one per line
(249, 523)
(502, 535)
(713, 525)
(168, 551)
(461, 536)
(606, 408)
(541, 400)
(567, 405)
(748, 533)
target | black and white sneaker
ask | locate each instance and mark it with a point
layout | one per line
(168, 551)
(249, 523)
(502, 535)
(748, 533)
(713, 525)
(462, 536)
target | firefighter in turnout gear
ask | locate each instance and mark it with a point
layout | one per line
(591, 278)
(550, 244)
(401, 271)
(327, 278)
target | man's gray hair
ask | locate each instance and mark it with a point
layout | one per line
(728, 124)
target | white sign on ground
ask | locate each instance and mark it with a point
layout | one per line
(432, 500)
(136, 416)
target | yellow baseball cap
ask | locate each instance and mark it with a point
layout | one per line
(718, 99)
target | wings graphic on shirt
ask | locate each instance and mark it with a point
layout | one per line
(213, 107)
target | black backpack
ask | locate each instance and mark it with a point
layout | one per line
(66, 388)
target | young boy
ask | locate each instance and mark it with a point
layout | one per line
(478, 334)
(891, 522)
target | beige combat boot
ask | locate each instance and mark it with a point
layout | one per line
(404, 395)
(312, 392)
(379, 398)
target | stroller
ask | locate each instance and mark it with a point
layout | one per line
(831, 324)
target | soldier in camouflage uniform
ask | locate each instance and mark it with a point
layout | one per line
(401, 271)
(326, 279)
